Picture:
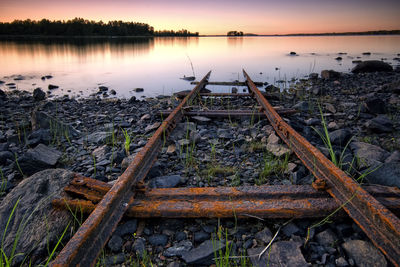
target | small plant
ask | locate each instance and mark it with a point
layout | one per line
(272, 166)
(16, 163)
(3, 183)
(94, 166)
(127, 142)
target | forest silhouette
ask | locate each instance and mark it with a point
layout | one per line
(82, 27)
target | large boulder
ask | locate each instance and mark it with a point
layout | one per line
(371, 66)
(35, 226)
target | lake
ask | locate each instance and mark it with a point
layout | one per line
(79, 66)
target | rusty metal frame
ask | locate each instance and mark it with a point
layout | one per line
(230, 113)
(378, 223)
(85, 246)
(268, 201)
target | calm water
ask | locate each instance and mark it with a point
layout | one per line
(156, 64)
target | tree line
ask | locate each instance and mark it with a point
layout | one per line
(82, 27)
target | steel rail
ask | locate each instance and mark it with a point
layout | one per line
(229, 113)
(276, 201)
(378, 223)
(258, 84)
(184, 93)
(85, 246)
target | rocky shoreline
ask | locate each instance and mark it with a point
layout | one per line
(86, 136)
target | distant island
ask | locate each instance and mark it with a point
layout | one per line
(378, 32)
(82, 27)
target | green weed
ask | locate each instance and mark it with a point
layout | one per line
(272, 166)
(127, 141)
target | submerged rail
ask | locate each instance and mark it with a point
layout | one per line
(85, 246)
(378, 223)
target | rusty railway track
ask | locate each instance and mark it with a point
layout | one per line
(377, 221)
(275, 201)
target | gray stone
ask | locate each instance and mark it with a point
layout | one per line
(152, 127)
(158, 240)
(341, 262)
(42, 225)
(40, 119)
(6, 155)
(41, 136)
(380, 124)
(178, 249)
(290, 229)
(103, 88)
(99, 137)
(302, 106)
(367, 154)
(168, 181)
(39, 95)
(115, 259)
(126, 161)
(4, 146)
(331, 108)
(115, 243)
(282, 253)
(371, 66)
(204, 253)
(201, 119)
(394, 157)
(330, 74)
(201, 236)
(126, 228)
(312, 121)
(265, 235)
(387, 174)
(100, 153)
(364, 253)
(39, 158)
(179, 236)
(52, 86)
(375, 105)
(174, 264)
(340, 137)
(326, 238)
(139, 247)
(224, 133)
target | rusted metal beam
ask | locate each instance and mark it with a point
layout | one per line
(229, 113)
(379, 224)
(259, 84)
(269, 95)
(85, 246)
(276, 201)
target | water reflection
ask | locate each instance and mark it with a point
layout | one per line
(156, 64)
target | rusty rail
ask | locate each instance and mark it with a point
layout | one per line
(85, 246)
(379, 224)
(230, 113)
(277, 201)
(269, 95)
(258, 84)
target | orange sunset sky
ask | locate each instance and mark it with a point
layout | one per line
(218, 16)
